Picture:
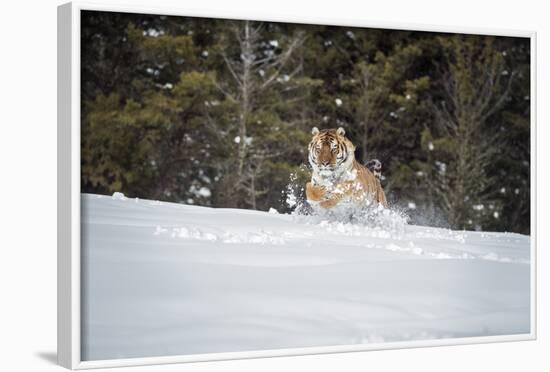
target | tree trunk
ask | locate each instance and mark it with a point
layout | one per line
(253, 191)
(364, 143)
(246, 86)
(365, 114)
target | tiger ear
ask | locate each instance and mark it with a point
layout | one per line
(315, 131)
(341, 131)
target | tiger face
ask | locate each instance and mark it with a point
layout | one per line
(330, 152)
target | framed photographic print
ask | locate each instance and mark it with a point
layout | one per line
(238, 187)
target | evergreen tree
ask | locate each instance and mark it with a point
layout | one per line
(461, 144)
(219, 113)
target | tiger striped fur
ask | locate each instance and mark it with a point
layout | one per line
(336, 175)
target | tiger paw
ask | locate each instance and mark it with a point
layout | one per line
(314, 193)
(330, 203)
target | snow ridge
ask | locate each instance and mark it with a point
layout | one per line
(184, 279)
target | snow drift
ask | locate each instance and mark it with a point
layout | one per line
(169, 279)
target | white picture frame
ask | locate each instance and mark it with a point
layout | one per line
(69, 259)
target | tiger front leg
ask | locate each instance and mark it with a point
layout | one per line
(330, 199)
(319, 194)
(340, 192)
(314, 193)
(329, 203)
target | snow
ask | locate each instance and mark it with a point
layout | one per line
(118, 196)
(441, 167)
(153, 33)
(291, 200)
(200, 191)
(350, 34)
(204, 192)
(171, 279)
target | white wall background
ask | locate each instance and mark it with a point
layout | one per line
(28, 158)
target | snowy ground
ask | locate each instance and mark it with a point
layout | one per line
(168, 279)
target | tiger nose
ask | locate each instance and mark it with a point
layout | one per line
(325, 163)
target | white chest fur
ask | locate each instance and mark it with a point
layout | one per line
(344, 173)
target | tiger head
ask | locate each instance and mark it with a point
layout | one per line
(330, 152)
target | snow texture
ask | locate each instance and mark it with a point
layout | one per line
(171, 279)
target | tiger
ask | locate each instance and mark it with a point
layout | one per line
(337, 176)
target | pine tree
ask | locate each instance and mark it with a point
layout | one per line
(257, 71)
(219, 113)
(462, 145)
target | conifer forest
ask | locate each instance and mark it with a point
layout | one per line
(218, 112)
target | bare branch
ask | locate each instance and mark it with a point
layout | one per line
(282, 60)
(230, 68)
(225, 92)
(498, 104)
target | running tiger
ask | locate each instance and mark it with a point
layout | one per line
(337, 176)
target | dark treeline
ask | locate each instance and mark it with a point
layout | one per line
(219, 113)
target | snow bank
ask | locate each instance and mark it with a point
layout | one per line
(170, 279)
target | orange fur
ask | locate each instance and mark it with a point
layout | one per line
(364, 188)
